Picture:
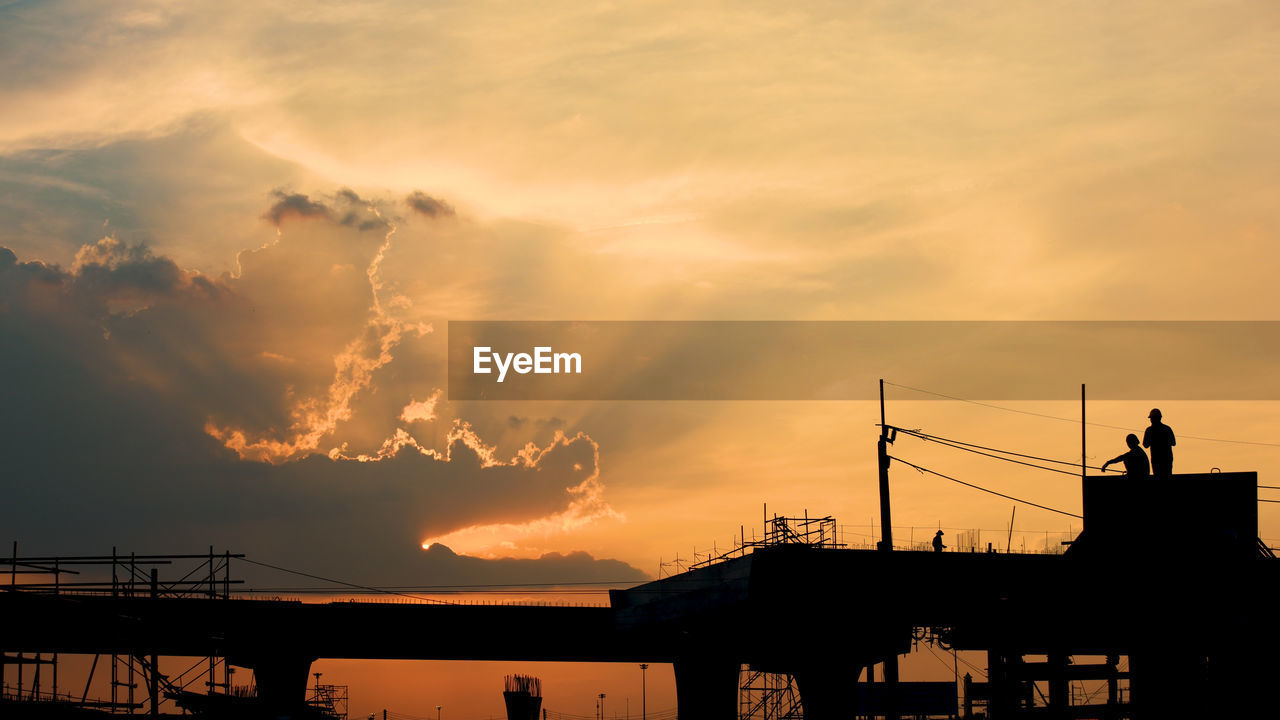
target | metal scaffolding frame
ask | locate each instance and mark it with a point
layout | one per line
(768, 696)
(204, 575)
(816, 532)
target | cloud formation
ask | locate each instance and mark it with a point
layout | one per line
(191, 191)
(423, 203)
(445, 567)
(289, 204)
(229, 410)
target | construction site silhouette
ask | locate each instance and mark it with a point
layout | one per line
(1163, 632)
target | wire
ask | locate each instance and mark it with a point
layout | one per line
(342, 582)
(199, 663)
(960, 446)
(931, 652)
(927, 436)
(1070, 420)
(934, 526)
(967, 447)
(970, 665)
(979, 487)
(513, 590)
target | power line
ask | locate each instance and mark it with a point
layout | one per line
(928, 436)
(508, 585)
(936, 526)
(343, 582)
(970, 665)
(969, 447)
(944, 662)
(979, 487)
(512, 590)
(1070, 420)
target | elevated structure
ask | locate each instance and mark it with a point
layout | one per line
(1185, 618)
(1180, 615)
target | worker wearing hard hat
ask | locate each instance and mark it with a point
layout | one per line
(1159, 439)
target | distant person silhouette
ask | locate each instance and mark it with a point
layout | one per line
(1159, 437)
(1135, 461)
(937, 542)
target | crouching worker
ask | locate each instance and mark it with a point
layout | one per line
(1135, 461)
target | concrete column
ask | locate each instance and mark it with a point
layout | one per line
(1168, 682)
(1002, 700)
(828, 691)
(282, 683)
(1113, 686)
(706, 687)
(1059, 689)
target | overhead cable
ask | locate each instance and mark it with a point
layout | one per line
(1070, 420)
(979, 487)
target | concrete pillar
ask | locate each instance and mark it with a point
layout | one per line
(828, 691)
(1168, 682)
(1059, 699)
(1006, 692)
(706, 687)
(282, 683)
(1113, 686)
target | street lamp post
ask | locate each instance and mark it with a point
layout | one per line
(601, 707)
(438, 712)
(644, 713)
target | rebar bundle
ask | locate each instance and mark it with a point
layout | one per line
(527, 684)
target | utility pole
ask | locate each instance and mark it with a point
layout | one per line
(882, 454)
(886, 545)
(644, 709)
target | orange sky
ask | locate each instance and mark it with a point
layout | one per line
(236, 235)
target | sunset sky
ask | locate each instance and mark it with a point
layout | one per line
(232, 236)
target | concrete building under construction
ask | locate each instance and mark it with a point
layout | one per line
(1169, 632)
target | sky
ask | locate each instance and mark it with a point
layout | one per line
(232, 236)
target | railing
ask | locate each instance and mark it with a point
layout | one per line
(132, 575)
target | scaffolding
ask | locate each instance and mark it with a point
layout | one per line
(119, 576)
(329, 700)
(768, 696)
(815, 532)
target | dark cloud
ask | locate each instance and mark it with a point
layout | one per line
(346, 208)
(423, 203)
(294, 205)
(441, 566)
(113, 270)
(114, 369)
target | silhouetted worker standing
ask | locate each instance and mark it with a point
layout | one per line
(937, 542)
(1159, 437)
(1135, 461)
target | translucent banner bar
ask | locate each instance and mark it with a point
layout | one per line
(712, 360)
